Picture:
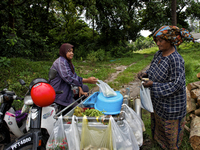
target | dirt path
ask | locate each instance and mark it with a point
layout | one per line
(133, 86)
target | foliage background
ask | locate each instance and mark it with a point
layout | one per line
(35, 29)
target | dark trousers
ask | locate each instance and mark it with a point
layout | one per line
(59, 107)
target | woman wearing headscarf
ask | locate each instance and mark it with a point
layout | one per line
(66, 78)
(168, 90)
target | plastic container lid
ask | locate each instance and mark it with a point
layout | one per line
(111, 105)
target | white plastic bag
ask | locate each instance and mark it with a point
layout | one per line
(145, 98)
(57, 139)
(123, 137)
(135, 123)
(72, 134)
(106, 89)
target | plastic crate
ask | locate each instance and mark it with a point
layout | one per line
(91, 100)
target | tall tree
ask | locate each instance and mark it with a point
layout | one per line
(157, 14)
(173, 7)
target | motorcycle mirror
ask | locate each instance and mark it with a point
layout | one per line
(22, 82)
(52, 74)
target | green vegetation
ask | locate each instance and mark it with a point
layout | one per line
(13, 69)
(36, 29)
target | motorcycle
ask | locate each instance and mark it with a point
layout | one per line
(40, 120)
(11, 121)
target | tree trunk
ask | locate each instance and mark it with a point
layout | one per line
(191, 103)
(11, 19)
(195, 93)
(198, 101)
(193, 85)
(173, 7)
(195, 133)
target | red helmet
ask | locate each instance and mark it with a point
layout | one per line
(43, 94)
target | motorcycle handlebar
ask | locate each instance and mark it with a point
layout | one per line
(19, 98)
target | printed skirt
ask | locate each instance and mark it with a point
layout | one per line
(168, 133)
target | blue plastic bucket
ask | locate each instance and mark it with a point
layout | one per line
(111, 105)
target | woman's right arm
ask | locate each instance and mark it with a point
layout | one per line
(91, 80)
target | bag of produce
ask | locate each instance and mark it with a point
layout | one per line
(145, 98)
(136, 123)
(72, 134)
(106, 89)
(57, 139)
(95, 138)
(123, 137)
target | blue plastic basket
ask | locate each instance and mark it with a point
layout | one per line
(91, 100)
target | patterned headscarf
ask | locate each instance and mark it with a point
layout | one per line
(173, 34)
(63, 51)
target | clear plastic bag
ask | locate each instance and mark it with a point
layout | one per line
(57, 139)
(123, 137)
(106, 89)
(72, 134)
(145, 98)
(95, 138)
(135, 123)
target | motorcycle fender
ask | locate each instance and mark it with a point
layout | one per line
(47, 118)
(20, 142)
(10, 120)
(28, 120)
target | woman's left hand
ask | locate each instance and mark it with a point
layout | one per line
(148, 83)
(81, 92)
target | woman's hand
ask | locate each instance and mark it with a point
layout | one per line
(81, 92)
(148, 83)
(142, 75)
(92, 80)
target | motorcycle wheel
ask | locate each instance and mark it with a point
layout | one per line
(4, 135)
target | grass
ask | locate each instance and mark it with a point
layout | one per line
(20, 68)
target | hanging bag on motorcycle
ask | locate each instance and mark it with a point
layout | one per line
(57, 139)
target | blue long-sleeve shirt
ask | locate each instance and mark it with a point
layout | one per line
(168, 92)
(63, 81)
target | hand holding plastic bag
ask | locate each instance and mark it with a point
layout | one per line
(57, 139)
(106, 89)
(145, 98)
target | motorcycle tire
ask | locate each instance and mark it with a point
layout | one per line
(4, 135)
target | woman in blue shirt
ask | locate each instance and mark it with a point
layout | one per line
(168, 90)
(66, 77)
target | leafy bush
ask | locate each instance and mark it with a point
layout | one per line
(99, 55)
(4, 62)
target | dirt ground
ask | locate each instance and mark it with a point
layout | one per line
(133, 86)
